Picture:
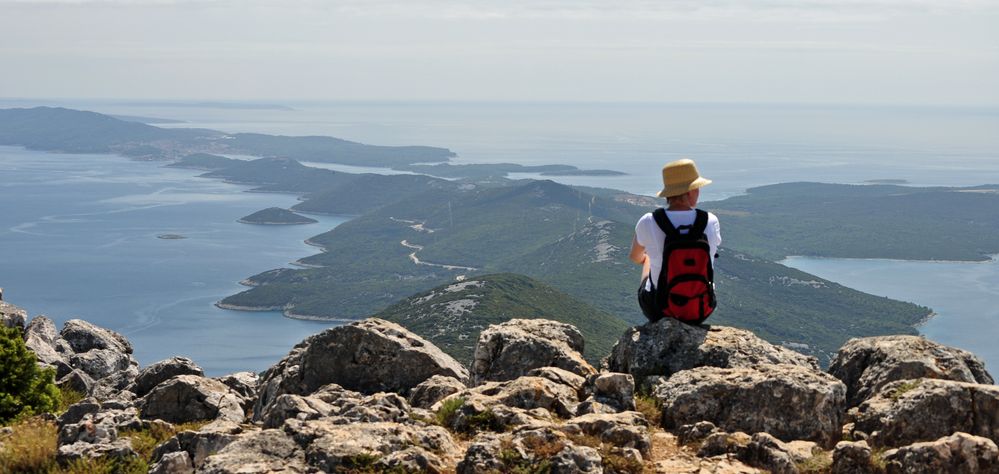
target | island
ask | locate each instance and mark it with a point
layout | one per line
(276, 216)
(170, 237)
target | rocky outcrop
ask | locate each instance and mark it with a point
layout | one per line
(187, 398)
(433, 390)
(788, 401)
(159, 372)
(867, 364)
(853, 457)
(258, 452)
(959, 453)
(11, 316)
(83, 336)
(537, 450)
(514, 348)
(909, 411)
(668, 346)
(367, 356)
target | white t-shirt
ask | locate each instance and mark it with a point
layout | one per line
(650, 236)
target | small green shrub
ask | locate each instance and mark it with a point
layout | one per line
(445, 415)
(25, 389)
(903, 388)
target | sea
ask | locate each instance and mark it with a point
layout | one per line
(81, 235)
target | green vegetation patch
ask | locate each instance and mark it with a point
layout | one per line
(25, 389)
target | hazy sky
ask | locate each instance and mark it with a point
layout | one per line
(853, 51)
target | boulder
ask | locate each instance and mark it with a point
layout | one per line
(867, 364)
(909, 411)
(259, 452)
(117, 449)
(12, 317)
(523, 392)
(434, 389)
(718, 443)
(40, 336)
(853, 457)
(100, 363)
(668, 346)
(608, 392)
(161, 371)
(201, 443)
(959, 453)
(367, 356)
(78, 381)
(297, 407)
(769, 453)
(622, 430)
(244, 385)
(187, 398)
(788, 401)
(173, 463)
(696, 432)
(536, 450)
(83, 336)
(512, 349)
(335, 447)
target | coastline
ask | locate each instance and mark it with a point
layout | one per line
(241, 221)
(285, 311)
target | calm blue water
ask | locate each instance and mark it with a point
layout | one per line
(78, 239)
(80, 230)
(963, 295)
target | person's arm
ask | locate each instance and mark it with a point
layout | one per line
(637, 254)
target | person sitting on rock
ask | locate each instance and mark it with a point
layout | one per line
(676, 247)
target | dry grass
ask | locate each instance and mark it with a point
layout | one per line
(650, 407)
(30, 448)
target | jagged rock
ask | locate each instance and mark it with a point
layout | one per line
(475, 416)
(623, 430)
(78, 410)
(608, 392)
(259, 452)
(83, 336)
(161, 371)
(528, 451)
(100, 363)
(512, 349)
(719, 443)
(115, 385)
(173, 463)
(853, 457)
(956, 454)
(11, 316)
(297, 407)
(40, 336)
(368, 356)
(243, 384)
(77, 380)
(560, 376)
(668, 346)
(788, 401)
(523, 392)
(909, 411)
(201, 443)
(695, 432)
(410, 460)
(434, 389)
(766, 452)
(117, 449)
(332, 447)
(191, 398)
(867, 364)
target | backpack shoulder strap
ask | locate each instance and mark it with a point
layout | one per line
(700, 224)
(663, 222)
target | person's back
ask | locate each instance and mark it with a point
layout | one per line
(676, 286)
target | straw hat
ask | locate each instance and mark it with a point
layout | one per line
(681, 177)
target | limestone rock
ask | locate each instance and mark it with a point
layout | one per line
(523, 392)
(259, 452)
(608, 392)
(163, 370)
(187, 398)
(668, 346)
(117, 449)
(244, 385)
(295, 406)
(788, 401)
(432, 390)
(867, 364)
(83, 336)
(511, 349)
(769, 453)
(100, 363)
(40, 336)
(719, 443)
(12, 317)
(173, 463)
(332, 447)
(695, 432)
(956, 454)
(368, 356)
(623, 430)
(909, 411)
(78, 381)
(853, 457)
(201, 443)
(528, 451)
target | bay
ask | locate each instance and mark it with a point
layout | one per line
(80, 239)
(963, 295)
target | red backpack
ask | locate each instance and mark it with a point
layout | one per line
(685, 290)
